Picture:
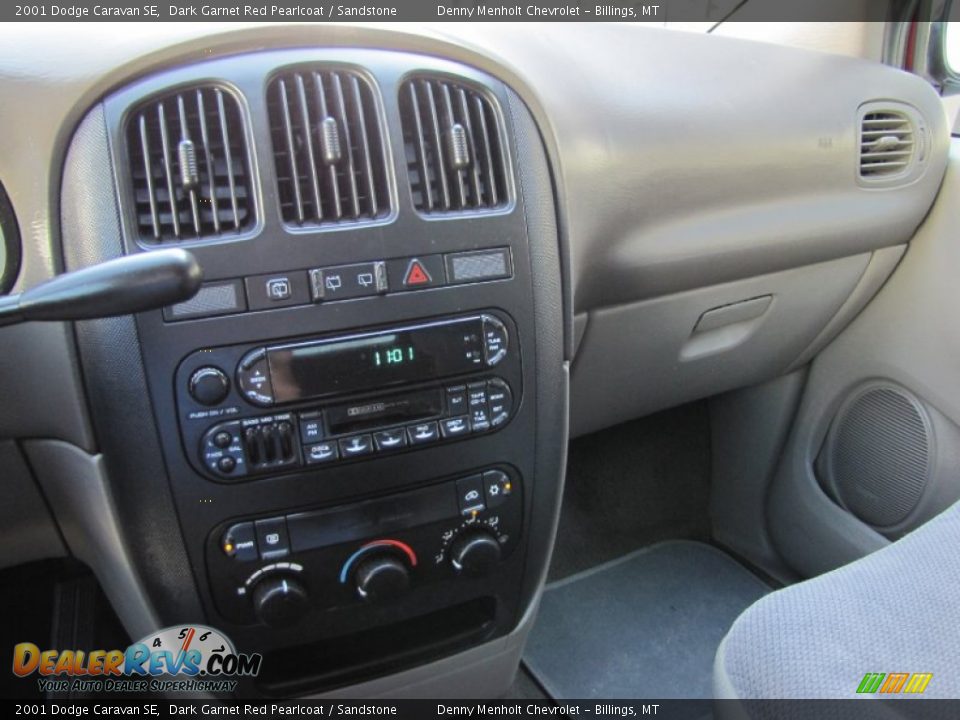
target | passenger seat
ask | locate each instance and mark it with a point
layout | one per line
(895, 611)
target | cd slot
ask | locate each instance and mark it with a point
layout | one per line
(380, 412)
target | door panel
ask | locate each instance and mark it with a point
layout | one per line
(874, 449)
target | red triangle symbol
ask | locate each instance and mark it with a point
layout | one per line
(416, 274)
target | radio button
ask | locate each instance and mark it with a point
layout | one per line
(356, 446)
(494, 340)
(253, 377)
(222, 439)
(477, 395)
(501, 402)
(390, 439)
(226, 464)
(477, 405)
(455, 426)
(311, 427)
(457, 400)
(321, 453)
(423, 433)
(209, 386)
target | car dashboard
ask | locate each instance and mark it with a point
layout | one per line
(429, 257)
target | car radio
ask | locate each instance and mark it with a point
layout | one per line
(346, 397)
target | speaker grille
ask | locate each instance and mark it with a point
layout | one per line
(880, 456)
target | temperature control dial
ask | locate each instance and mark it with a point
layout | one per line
(381, 577)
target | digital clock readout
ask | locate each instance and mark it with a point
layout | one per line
(393, 356)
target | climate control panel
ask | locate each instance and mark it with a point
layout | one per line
(277, 570)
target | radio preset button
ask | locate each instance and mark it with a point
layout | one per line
(390, 439)
(356, 446)
(455, 426)
(253, 377)
(422, 433)
(321, 453)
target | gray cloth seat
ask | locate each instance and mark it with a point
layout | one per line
(894, 611)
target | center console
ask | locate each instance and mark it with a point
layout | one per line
(352, 439)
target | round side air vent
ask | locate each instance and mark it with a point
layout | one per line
(9, 244)
(878, 454)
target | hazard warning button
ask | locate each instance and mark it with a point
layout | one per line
(416, 273)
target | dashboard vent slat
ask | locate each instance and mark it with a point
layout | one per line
(329, 149)
(455, 158)
(886, 144)
(187, 154)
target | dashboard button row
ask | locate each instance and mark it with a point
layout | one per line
(480, 406)
(279, 441)
(342, 282)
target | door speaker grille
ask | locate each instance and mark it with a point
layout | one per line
(879, 454)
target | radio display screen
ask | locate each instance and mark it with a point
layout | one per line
(375, 360)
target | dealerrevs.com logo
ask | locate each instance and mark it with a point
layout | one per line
(194, 658)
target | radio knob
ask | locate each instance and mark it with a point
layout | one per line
(382, 577)
(475, 552)
(280, 600)
(209, 385)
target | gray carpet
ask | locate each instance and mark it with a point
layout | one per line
(644, 626)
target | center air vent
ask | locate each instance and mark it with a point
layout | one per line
(189, 167)
(328, 148)
(455, 160)
(887, 144)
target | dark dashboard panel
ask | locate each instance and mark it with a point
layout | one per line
(395, 375)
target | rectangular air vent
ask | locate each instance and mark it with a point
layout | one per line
(328, 148)
(886, 144)
(455, 159)
(189, 167)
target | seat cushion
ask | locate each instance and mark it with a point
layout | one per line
(895, 611)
